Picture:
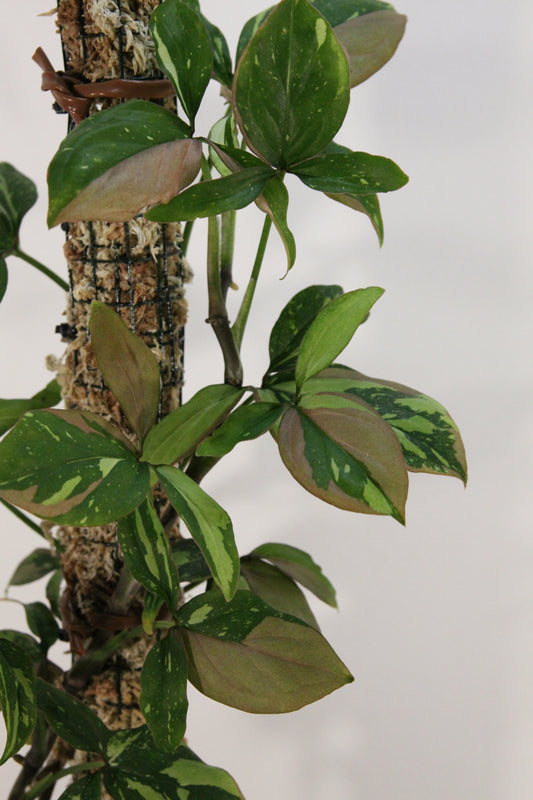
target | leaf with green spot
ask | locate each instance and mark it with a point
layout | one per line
(128, 367)
(369, 41)
(208, 524)
(178, 434)
(17, 195)
(70, 719)
(210, 198)
(147, 552)
(251, 656)
(117, 162)
(191, 564)
(12, 410)
(276, 589)
(163, 698)
(72, 467)
(183, 51)
(274, 201)
(35, 566)
(291, 88)
(87, 788)
(300, 567)
(17, 697)
(42, 623)
(351, 173)
(245, 423)
(347, 456)
(332, 330)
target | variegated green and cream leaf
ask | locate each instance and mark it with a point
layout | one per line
(300, 567)
(17, 696)
(87, 788)
(163, 698)
(208, 524)
(71, 719)
(72, 467)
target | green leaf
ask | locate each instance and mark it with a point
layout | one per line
(163, 697)
(17, 195)
(35, 566)
(277, 589)
(222, 67)
(223, 134)
(128, 367)
(151, 608)
(294, 321)
(88, 788)
(210, 198)
(300, 566)
(332, 330)
(370, 41)
(251, 656)
(245, 423)
(3, 278)
(72, 467)
(351, 173)
(429, 437)
(12, 410)
(291, 87)
(42, 623)
(17, 698)
(106, 166)
(367, 204)
(338, 11)
(147, 552)
(53, 591)
(183, 51)
(343, 452)
(209, 525)
(191, 564)
(249, 30)
(274, 201)
(70, 719)
(25, 642)
(178, 434)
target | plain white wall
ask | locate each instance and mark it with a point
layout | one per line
(435, 619)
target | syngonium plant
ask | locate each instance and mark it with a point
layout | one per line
(247, 637)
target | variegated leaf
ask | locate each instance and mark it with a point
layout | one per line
(190, 562)
(70, 719)
(351, 173)
(245, 423)
(277, 589)
(17, 696)
(300, 566)
(251, 656)
(72, 467)
(209, 525)
(163, 696)
(88, 788)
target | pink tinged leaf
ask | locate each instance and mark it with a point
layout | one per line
(155, 175)
(369, 41)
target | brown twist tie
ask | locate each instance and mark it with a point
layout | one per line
(74, 96)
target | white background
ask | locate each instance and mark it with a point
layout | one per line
(435, 619)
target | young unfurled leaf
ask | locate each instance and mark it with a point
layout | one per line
(87, 788)
(183, 51)
(248, 655)
(342, 451)
(178, 434)
(276, 589)
(151, 608)
(42, 623)
(35, 566)
(351, 173)
(291, 88)
(370, 41)
(274, 201)
(17, 697)
(163, 697)
(300, 566)
(208, 524)
(210, 198)
(12, 410)
(245, 423)
(17, 195)
(128, 367)
(72, 467)
(332, 330)
(119, 161)
(70, 719)
(147, 552)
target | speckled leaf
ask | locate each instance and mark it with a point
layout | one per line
(163, 697)
(178, 434)
(369, 41)
(274, 201)
(70, 719)
(245, 423)
(17, 697)
(35, 566)
(12, 410)
(42, 623)
(102, 145)
(147, 552)
(276, 589)
(300, 566)
(351, 173)
(17, 195)
(291, 88)
(248, 655)
(208, 524)
(183, 51)
(347, 456)
(332, 330)
(128, 367)
(72, 467)
(88, 788)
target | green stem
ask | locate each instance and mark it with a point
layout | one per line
(20, 515)
(242, 317)
(41, 267)
(49, 780)
(186, 237)
(227, 246)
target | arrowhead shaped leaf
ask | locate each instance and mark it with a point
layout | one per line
(88, 788)
(209, 525)
(277, 589)
(12, 410)
(163, 697)
(299, 566)
(332, 330)
(71, 467)
(351, 173)
(128, 367)
(291, 87)
(17, 195)
(35, 566)
(17, 698)
(125, 148)
(70, 719)
(251, 656)
(370, 41)
(246, 423)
